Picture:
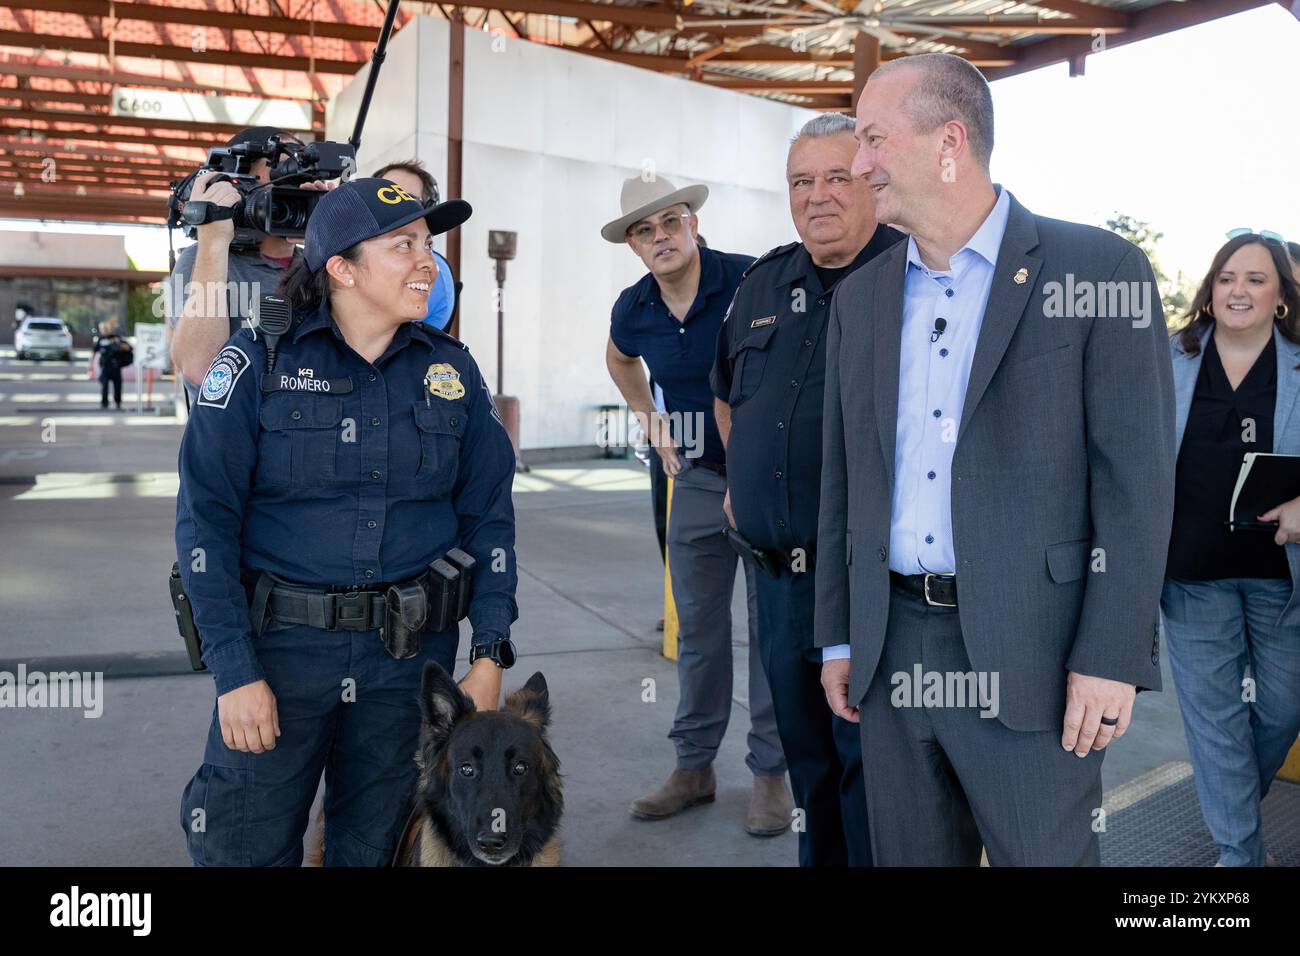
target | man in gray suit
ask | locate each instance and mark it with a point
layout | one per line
(997, 493)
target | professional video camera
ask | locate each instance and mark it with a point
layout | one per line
(276, 208)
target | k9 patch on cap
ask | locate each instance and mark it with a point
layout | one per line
(229, 364)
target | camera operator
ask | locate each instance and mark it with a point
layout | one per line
(215, 260)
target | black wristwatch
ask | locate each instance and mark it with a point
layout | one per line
(501, 653)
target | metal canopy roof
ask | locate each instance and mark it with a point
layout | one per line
(60, 59)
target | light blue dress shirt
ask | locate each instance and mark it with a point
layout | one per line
(932, 379)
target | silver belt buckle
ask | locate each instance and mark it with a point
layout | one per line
(930, 601)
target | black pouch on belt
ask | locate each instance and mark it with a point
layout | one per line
(443, 582)
(464, 563)
(406, 609)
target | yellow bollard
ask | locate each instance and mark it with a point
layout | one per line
(670, 609)
(1290, 770)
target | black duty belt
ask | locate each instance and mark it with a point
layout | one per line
(362, 609)
(716, 467)
(937, 590)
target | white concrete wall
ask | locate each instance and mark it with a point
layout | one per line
(549, 138)
(83, 251)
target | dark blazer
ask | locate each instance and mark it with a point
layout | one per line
(1066, 445)
(1286, 424)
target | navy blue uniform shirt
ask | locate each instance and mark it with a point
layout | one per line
(680, 354)
(333, 471)
(771, 369)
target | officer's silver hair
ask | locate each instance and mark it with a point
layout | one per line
(827, 124)
(949, 88)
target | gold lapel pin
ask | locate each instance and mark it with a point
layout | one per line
(1021, 276)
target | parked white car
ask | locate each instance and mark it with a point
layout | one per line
(43, 337)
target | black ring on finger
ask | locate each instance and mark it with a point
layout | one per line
(1110, 721)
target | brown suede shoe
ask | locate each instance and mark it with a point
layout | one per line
(685, 788)
(771, 808)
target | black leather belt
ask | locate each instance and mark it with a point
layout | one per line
(937, 590)
(713, 466)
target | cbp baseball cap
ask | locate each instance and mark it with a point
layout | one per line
(361, 209)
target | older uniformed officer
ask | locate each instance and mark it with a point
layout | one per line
(670, 318)
(318, 496)
(768, 381)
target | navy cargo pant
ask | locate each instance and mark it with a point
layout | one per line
(823, 751)
(345, 707)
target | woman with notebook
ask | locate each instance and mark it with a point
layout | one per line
(1230, 597)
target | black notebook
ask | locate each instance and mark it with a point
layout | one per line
(1264, 482)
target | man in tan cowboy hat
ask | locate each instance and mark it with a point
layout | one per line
(670, 319)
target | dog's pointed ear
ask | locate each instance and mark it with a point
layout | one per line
(532, 702)
(441, 702)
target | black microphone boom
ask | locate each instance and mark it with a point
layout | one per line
(376, 61)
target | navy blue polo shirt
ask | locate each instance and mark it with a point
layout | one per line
(337, 472)
(680, 354)
(771, 369)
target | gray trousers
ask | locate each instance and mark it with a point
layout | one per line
(942, 781)
(703, 567)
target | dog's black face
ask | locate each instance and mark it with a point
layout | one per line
(489, 780)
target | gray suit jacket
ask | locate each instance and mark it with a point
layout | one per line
(1066, 445)
(1286, 424)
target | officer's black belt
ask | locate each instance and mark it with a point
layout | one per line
(713, 466)
(359, 610)
(936, 590)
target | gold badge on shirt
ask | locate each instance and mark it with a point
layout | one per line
(444, 381)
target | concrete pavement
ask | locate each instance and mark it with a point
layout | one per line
(86, 515)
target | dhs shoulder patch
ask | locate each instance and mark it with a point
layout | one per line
(230, 363)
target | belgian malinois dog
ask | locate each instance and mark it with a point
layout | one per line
(489, 787)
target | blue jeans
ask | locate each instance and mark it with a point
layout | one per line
(1238, 734)
(346, 707)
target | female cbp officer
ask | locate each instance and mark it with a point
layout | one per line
(371, 450)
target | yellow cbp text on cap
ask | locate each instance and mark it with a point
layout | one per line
(399, 195)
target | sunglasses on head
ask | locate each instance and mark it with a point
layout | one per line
(1263, 234)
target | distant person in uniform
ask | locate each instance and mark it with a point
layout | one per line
(768, 383)
(670, 318)
(113, 353)
(416, 180)
(312, 503)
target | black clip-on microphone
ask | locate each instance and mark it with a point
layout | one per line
(939, 326)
